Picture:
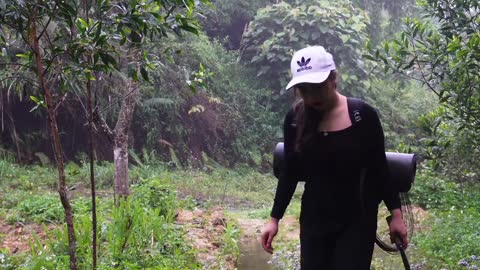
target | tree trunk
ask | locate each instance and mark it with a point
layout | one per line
(91, 147)
(57, 147)
(15, 137)
(120, 148)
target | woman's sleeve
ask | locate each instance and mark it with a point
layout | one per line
(379, 164)
(287, 181)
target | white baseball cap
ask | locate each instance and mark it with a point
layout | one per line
(311, 65)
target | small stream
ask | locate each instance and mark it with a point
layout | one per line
(253, 257)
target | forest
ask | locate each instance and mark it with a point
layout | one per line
(140, 134)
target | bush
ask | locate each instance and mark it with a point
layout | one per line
(134, 235)
(42, 208)
(155, 194)
(433, 191)
(231, 120)
(453, 236)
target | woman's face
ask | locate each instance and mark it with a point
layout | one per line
(320, 96)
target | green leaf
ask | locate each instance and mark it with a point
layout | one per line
(23, 56)
(412, 62)
(369, 57)
(89, 76)
(344, 38)
(144, 73)
(108, 60)
(38, 102)
(454, 45)
(98, 32)
(190, 29)
(256, 58)
(82, 25)
(323, 29)
(34, 99)
(133, 72)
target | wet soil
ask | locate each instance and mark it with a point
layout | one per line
(16, 238)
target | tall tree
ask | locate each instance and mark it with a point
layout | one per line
(283, 28)
(444, 56)
(442, 51)
(138, 26)
(66, 48)
(32, 21)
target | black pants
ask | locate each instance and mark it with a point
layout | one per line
(337, 246)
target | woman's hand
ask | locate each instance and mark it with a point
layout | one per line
(398, 229)
(270, 230)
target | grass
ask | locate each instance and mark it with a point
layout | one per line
(29, 196)
(449, 237)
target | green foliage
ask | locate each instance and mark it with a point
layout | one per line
(227, 121)
(98, 37)
(42, 208)
(262, 213)
(431, 191)
(451, 237)
(84, 45)
(454, 151)
(231, 236)
(443, 56)
(25, 178)
(134, 235)
(156, 194)
(8, 262)
(228, 18)
(386, 16)
(400, 104)
(281, 29)
(434, 191)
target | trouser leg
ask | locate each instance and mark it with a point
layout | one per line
(348, 247)
(354, 247)
(316, 248)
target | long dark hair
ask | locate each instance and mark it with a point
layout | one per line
(306, 119)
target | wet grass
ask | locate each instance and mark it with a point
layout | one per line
(447, 236)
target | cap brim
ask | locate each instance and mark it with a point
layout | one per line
(316, 77)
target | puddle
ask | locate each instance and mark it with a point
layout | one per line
(253, 257)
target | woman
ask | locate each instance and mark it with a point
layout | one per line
(344, 170)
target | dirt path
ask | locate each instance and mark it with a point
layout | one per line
(205, 230)
(16, 238)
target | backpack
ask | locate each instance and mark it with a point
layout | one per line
(402, 167)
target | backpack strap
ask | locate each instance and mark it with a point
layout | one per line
(355, 109)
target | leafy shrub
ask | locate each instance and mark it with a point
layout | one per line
(400, 103)
(8, 262)
(282, 28)
(44, 208)
(132, 235)
(230, 241)
(433, 191)
(155, 194)
(26, 178)
(232, 120)
(452, 236)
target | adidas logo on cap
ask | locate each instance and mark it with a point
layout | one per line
(311, 65)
